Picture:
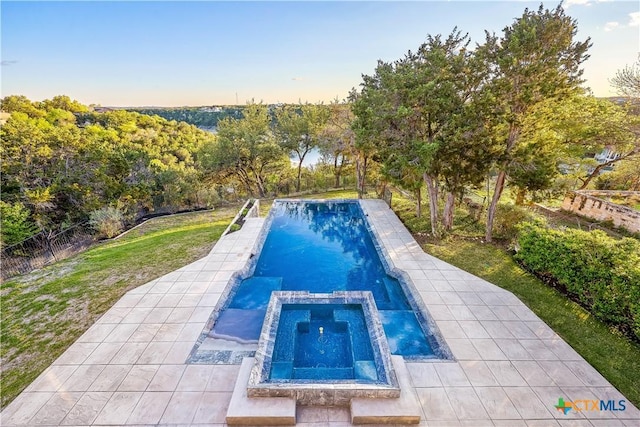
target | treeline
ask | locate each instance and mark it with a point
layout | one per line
(449, 115)
(265, 151)
(64, 163)
(202, 117)
(61, 162)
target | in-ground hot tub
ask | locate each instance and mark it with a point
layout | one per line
(323, 349)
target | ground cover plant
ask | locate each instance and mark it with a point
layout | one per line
(46, 310)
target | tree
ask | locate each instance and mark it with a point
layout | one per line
(336, 137)
(425, 111)
(20, 104)
(625, 177)
(63, 102)
(62, 161)
(298, 130)
(367, 128)
(627, 81)
(536, 59)
(578, 127)
(245, 149)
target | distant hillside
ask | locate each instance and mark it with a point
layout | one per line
(202, 117)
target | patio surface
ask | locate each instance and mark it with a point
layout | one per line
(129, 368)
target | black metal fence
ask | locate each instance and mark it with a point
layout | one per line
(45, 248)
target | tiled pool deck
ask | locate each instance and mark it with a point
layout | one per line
(129, 368)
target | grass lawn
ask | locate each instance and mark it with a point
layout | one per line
(617, 358)
(46, 310)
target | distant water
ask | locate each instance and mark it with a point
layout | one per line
(312, 158)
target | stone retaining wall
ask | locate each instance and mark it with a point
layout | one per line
(586, 203)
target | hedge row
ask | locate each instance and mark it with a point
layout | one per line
(602, 273)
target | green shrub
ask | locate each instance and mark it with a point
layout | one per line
(107, 221)
(15, 224)
(602, 273)
(508, 220)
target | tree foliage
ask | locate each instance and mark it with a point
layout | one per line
(627, 81)
(245, 149)
(424, 114)
(536, 59)
(336, 139)
(202, 117)
(298, 131)
(62, 161)
(15, 223)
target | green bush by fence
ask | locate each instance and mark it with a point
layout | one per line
(600, 272)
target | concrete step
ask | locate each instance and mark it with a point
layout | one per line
(404, 410)
(258, 411)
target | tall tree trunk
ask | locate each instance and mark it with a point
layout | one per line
(418, 203)
(246, 181)
(520, 196)
(512, 139)
(301, 159)
(432, 190)
(491, 213)
(449, 207)
(259, 183)
(336, 171)
(361, 174)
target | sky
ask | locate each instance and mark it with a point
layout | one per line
(150, 53)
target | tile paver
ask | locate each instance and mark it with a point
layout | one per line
(110, 378)
(85, 411)
(138, 378)
(118, 408)
(54, 411)
(150, 408)
(166, 378)
(129, 367)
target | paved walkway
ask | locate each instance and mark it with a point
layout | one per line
(129, 368)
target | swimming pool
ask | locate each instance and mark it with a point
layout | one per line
(321, 247)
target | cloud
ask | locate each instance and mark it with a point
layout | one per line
(297, 79)
(634, 21)
(568, 3)
(610, 26)
(6, 63)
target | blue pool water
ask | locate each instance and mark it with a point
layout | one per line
(321, 247)
(322, 342)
